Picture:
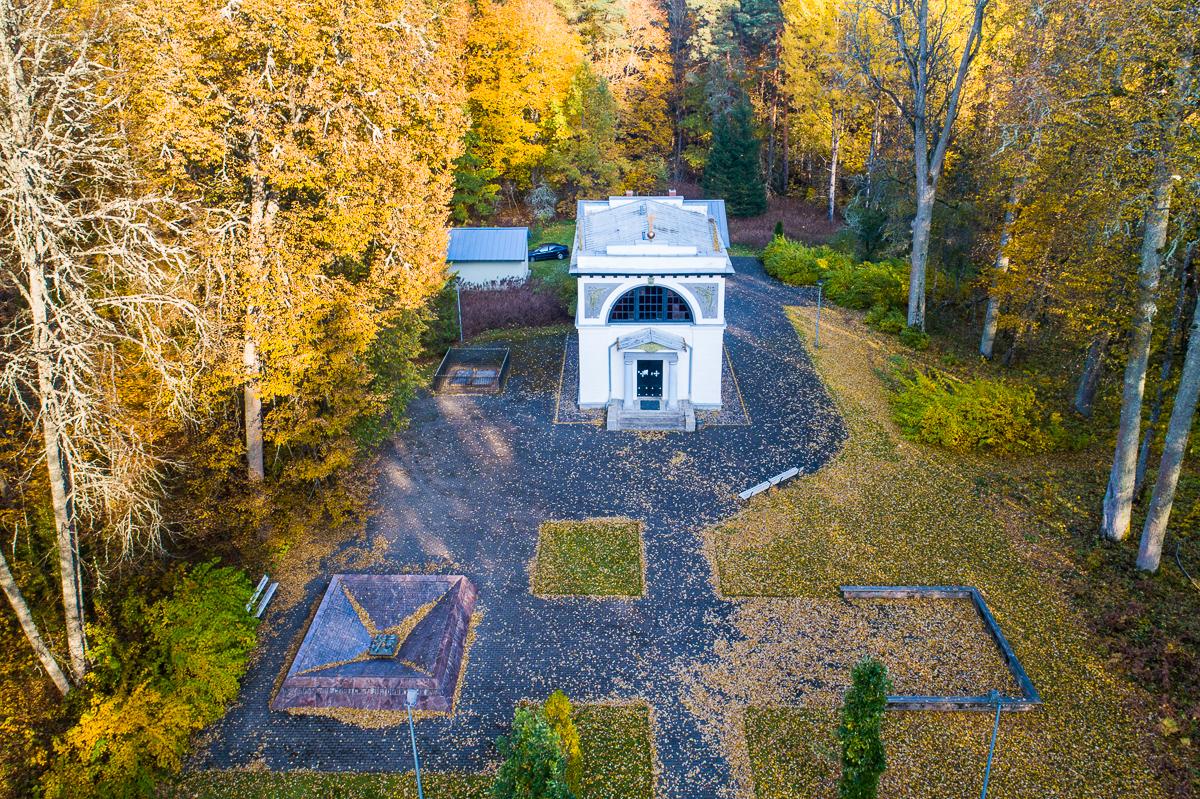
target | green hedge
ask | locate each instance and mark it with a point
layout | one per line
(881, 287)
(977, 414)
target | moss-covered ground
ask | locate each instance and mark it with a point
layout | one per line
(888, 511)
(618, 763)
(593, 557)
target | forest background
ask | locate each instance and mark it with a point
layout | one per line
(224, 231)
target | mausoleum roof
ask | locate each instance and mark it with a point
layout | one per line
(650, 235)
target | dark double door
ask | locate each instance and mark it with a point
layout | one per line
(650, 384)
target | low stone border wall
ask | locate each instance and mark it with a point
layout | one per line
(1029, 699)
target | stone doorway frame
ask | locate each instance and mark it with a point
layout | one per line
(670, 361)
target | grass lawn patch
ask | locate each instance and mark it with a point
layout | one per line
(618, 751)
(558, 232)
(592, 557)
(328, 785)
(618, 763)
(888, 511)
(794, 753)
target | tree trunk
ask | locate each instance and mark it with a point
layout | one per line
(13, 592)
(60, 492)
(1180, 424)
(1118, 498)
(873, 154)
(919, 259)
(1164, 374)
(834, 150)
(786, 155)
(991, 318)
(261, 216)
(1089, 379)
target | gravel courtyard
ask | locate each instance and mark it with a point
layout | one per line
(464, 489)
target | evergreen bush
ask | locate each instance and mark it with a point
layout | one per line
(860, 733)
(885, 319)
(914, 337)
(533, 765)
(558, 712)
(978, 414)
(193, 654)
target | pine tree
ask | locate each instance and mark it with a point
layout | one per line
(863, 756)
(733, 171)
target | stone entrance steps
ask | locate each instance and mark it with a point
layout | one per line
(683, 419)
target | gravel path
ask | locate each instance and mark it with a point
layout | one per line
(464, 490)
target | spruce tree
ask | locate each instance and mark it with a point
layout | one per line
(860, 733)
(533, 765)
(733, 171)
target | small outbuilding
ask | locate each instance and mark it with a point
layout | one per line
(480, 256)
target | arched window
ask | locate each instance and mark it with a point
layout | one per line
(650, 304)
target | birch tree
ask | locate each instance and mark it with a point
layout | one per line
(1180, 425)
(933, 53)
(17, 600)
(1170, 82)
(101, 276)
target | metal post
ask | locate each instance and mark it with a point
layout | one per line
(817, 334)
(412, 732)
(987, 773)
(458, 302)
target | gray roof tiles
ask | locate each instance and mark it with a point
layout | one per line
(488, 244)
(626, 223)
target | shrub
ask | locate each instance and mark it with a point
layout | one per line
(914, 337)
(869, 226)
(867, 284)
(860, 733)
(543, 202)
(885, 319)
(558, 713)
(798, 265)
(778, 228)
(978, 414)
(511, 303)
(197, 642)
(849, 284)
(533, 765)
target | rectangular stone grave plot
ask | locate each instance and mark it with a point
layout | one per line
(472, 370)
(1029, 697)
(374, 636)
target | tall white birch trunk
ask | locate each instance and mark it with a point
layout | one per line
(1118, 497)
(835, 143)
(991, 318)
(1164, 374)
(29, 626)
(1178, 428)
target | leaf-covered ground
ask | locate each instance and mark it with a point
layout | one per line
(618, 763)
(887, 511)
(593, 557)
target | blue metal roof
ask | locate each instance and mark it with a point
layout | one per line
(488, 244)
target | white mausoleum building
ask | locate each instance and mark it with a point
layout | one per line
(651, 308)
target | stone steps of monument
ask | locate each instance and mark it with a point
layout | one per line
(681, 420)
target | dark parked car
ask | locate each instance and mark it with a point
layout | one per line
(549, 252)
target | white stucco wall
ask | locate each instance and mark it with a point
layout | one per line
(601, 364)
(479, 273)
